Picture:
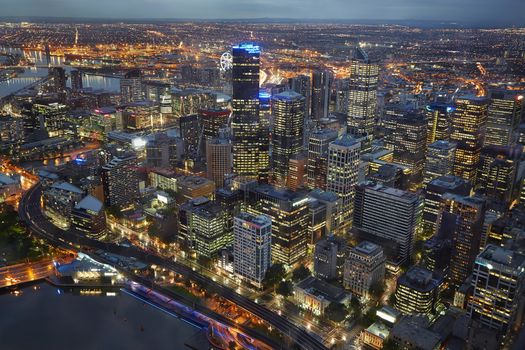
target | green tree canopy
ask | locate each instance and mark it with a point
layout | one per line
(300, 273)
(274, 275)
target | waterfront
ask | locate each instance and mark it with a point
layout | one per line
(58, 320)
(32, 74)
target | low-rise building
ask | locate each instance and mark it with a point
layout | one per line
(315, 295)
(364, 267)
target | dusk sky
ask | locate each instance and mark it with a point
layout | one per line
(479, 11)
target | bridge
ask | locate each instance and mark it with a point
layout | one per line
(31, 213)
(25, 272)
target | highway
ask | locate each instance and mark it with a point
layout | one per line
(30, 212)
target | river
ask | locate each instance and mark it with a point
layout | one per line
(32, 74)
(41, 317)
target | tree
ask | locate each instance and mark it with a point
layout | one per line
(285, 288)
(336, 312)
(377, 289)
(390, 344)
(355, 307)
(300, 273)
(274, 275)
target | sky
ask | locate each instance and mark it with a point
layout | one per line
(477, 11)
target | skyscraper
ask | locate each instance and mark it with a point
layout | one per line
(321, 84)
(131, 87)
(76, 80)
(503, 118)
(468, 132)
(252, 254)
(439, 160)
(303, 86)
(250, 157)
(317, 167)
(58, 79)
(390, 217)
(409, 141)
(439, 121)
(218, 160)
(417, 292)
(362, 104)
(499, 281)
(364, 267)
(343, 166)
(465, 216)
(120, 182)
(287, 137)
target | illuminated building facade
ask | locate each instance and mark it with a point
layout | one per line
(120, 182)
(498, 279)
(317, 167)
(468, 132)
(363, 268)
(343, 166)
(439, 160)
(76, 81)
(289, 213)
(409, 144)
(503, 118)
(465, 216)
(302, 85)
(417, 292)
(252, 247)
(250, 154)
(287, 136)
(211, 231)
(296, 172)
(89, 218)
(439, 121)
(390, 217)
(329, 257)
(434, 192)
(218, 160)
(321, 85)
(131, 87)
(362, 103)
(163, 151)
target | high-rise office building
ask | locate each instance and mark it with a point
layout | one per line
(296, 172)
(287, 136)
(89, 218)
(163, 151)
(190, 131)
(497, 175)
(210, 225)
(503, 118)
(120, 182)
(465, 216)
(218, 160)
(439, 121)
(364, 267)
(302, 85)
(417, 292)
(289, 213)
(409, 144)
(439, 160)
(212, 121)
(329, 257)
(317, 167)
(342, 175)
(468, 132)
(321, 86)
(434, 196)
(390, 217)
(76, 80)
(252, 255)
(362, 104)
(131, 87)
(58, 79)
(250, 155)
(499, 281)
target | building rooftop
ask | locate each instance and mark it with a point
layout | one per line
(449, 182)
(258, 220)
(420, 337)
(419, 278)
(345, 141)
(89, 203)
(502, 256)
(288, 95)
(391, 191)
(322, 289)
(66, 186)
(379, 330)
(367, 248)
(443, 145)
(6, 180)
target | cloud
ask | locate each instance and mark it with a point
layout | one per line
(468, 10)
